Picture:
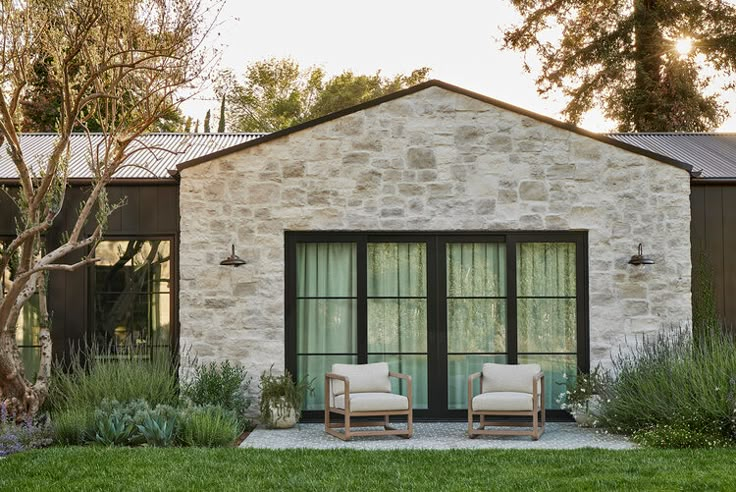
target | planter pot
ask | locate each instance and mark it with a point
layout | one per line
(282, 417)
(586, 415)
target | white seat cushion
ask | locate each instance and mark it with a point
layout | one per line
(373, 402)
(516, 378)
(503, 401)
(364, 378)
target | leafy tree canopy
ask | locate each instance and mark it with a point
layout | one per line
(278, 93)
(622, 56)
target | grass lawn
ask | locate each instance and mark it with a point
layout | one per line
(228, 469)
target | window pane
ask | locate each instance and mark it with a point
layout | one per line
(397, 270)
(476, 269)
(315, 367)
(413, 365)
(31, 357)
(326, 325)
(554, 366)
(326, 270)
(545, 269)
(547, 325)
(132, 298)
(476, 325)
(397, 325)
(28, 328)
(133, 266)
(459, 368)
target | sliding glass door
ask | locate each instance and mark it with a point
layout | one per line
(436, 306)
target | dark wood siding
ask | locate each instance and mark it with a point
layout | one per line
(713, 236)
(149, 211)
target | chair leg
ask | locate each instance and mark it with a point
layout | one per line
(386, 423)
(482, 422)
(471, 434)
(410, 423)
(347, 426)
(535, 425)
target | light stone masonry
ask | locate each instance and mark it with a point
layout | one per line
(433, 160)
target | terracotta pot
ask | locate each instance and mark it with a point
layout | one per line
(282, 417)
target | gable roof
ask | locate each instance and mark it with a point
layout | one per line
(159, 152)
(714, 154)
(452, 88)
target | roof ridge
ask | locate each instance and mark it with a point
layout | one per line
(694, 134)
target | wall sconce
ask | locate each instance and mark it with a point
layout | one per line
(640, 259)
(233, 260)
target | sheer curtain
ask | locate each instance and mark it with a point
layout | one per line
(397, 311)
(476, 312)
(326, 311)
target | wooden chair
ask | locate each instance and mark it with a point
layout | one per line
(364, 390)
(507, 390)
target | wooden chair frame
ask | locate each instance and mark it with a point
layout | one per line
(348, 433)
(537, 409)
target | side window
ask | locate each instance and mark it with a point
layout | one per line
(131, 296)
(28, 327)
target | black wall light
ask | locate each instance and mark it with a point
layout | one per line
(640, 259)
(233, 260)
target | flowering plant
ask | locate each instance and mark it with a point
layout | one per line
(15, 437)
(582, 396)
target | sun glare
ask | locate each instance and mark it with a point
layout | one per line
(684, 46)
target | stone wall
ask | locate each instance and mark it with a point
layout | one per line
(432, 160)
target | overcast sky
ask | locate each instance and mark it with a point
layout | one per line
(459, 40)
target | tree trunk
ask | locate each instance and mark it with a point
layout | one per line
(648, 49)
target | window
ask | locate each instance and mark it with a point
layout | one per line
(28, 328)
(131, 295)
(436, 306)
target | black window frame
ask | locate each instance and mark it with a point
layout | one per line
(437, 300)
(173, 289)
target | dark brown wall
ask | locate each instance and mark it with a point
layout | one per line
(713, 233)
(150, 211)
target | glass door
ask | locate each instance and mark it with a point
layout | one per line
(476, 313)
(397, 312)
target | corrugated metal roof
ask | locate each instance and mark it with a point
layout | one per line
(712, 153)
(159, 152)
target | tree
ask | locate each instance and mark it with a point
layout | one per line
(207, 122)
(623, 57)
(108, 74)
(221, 122)
(278, 93)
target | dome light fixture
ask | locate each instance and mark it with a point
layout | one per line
(640, 259)
(233, 259)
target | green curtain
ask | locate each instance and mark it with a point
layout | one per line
(476, 312)
(326, 311)
(397, 312)
(547, 317)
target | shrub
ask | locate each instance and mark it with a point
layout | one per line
(16, 437)
(678, 436)
(95, 375)
(224, 385)
(135, 423)
(673, 380)
(113, 429)
(158, 429)
(73, 427)
(209, 426)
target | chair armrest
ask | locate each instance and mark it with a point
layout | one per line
(471, 378)
(408, 380)
(537, 386)
(332, 375)
(344, 379)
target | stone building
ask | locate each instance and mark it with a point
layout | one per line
(433, 228)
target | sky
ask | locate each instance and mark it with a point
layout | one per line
(460, 40)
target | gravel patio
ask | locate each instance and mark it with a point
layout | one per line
(436, 435)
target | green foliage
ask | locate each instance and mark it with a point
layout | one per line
(113, 429)
(278, 93)
(74, 427)
(578, 394)
(209, 426)
(678, 436)
(225, 385)
(281, 393)
(221, 122)
(95, 375)
(207, 122)
(673, 379)
(158, 429)
(622, 58)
